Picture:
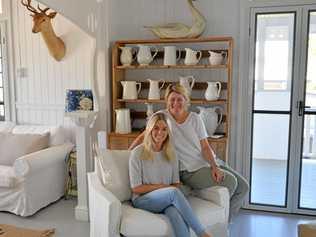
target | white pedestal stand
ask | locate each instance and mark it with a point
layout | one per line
(83, 121)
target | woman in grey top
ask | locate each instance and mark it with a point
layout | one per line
(154, 178)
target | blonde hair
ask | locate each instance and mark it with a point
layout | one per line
(167, 148)
(179, 89)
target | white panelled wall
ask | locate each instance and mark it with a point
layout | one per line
(40, 81)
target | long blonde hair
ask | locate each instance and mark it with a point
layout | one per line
(179, 89)
(167, 148)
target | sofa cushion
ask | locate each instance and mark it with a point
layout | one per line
(208, 212)
(57, 133)
(6, 126)
(7, 177)
(13, 146)
(138, 222)
(112, 169)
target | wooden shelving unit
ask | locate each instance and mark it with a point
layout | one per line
(121, 73)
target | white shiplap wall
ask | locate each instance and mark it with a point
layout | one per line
(40, 81)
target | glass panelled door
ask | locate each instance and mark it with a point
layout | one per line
(283, 127)
(274, 43)
(307, 190)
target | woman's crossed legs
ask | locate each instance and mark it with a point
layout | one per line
(172, 202)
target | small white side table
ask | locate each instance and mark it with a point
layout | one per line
(83, 121)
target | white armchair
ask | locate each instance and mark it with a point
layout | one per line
(112, 215)
(36, 179)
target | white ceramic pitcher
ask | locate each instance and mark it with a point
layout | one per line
(150, 110)
(185, 82)
(170, 55)
(144, 56)
(130, 91)
(210, 118)
(216, 58)
(154, 89)
(213, 90)
(123, 121)
(192, 57)
(126, 56)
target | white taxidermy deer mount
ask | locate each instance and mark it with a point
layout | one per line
(42, 23)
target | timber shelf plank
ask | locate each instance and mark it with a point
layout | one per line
(135, 133)
(154, 66)
(193, 101)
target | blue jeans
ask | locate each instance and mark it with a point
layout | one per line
(175, 206)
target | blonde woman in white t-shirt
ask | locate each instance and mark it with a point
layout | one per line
(154, 178)
(198, 167)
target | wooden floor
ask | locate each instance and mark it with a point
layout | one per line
(266, 224)
(60, 215)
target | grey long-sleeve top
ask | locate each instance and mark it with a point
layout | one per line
(156, 171)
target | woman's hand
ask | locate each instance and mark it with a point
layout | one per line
(176, 185)
(217, 174)
(146, 188)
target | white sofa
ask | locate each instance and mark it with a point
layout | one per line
(112, 215)
(36, 179)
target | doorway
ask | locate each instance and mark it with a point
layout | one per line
(282, 170)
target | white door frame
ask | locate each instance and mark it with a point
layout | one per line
(301, 93)
(245, 103)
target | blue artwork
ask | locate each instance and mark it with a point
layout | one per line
(79, 100)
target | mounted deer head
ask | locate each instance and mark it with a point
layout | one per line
(42, 23)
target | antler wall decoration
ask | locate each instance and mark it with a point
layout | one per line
(42, 23)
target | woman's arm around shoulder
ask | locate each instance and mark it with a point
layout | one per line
(138, 140)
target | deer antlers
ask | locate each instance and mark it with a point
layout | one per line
(32, 9)
(41, 10)
(28, 6)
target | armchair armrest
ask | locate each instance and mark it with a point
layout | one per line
(217, 194)
(105, 210)
(30, 163)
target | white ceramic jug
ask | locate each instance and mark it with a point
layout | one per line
(144, 56)
(213, 90)
(216, 58)
(191, 56)
(154, 89)
(150, 110)
(130, 91)
(126, 56)
(123, 121)
(210, 118)
(185, 82)
(170, 55)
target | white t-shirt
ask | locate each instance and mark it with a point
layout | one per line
(186, 140)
